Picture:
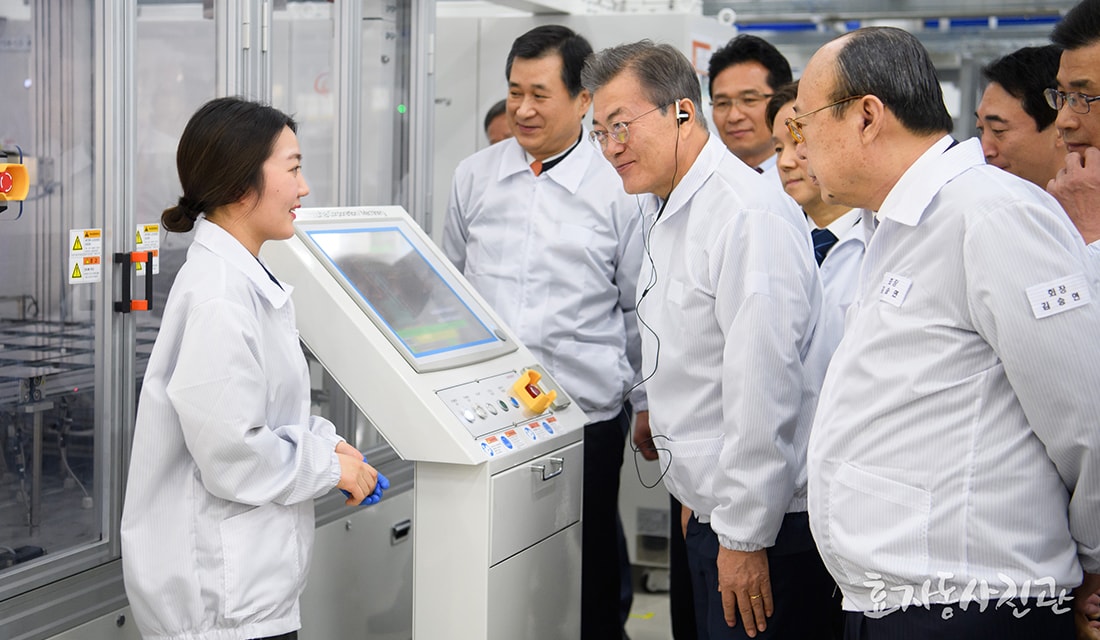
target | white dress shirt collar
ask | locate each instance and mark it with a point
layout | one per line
(841, 225)
(568, 173)
(768, 164)
(937, 166)
(697, 174)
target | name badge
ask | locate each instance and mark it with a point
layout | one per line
(1056, 296)
(894, 289)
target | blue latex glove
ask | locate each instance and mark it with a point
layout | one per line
(382, 484)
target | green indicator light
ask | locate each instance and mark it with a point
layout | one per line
(401, 108)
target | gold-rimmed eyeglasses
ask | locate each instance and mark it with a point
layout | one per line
(619, 131)
(1078, 102)
(795, 127)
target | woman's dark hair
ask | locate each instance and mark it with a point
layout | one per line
(783, 94)
(221, 155)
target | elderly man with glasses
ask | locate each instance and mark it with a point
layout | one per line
(729, 302)
(1077, 185)
(954, 464)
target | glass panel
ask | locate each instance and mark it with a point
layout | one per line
(303, 85)
(384, 97)
(51, 504)
(303, 62)
(175, 75)
(384, 129)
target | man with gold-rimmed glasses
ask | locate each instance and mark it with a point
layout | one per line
(955, 455)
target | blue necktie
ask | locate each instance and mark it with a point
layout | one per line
(823, 241)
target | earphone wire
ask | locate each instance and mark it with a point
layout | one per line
(646, 239)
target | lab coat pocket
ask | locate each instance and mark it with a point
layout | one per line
(261, 560)
(693, 465)
(878, 525)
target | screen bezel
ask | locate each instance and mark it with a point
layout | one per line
(435, 361)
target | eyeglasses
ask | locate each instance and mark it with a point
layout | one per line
(795, 127)
(746, 101)
(1078, 102)
(619, 131)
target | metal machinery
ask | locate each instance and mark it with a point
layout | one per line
(497, 444)
(95, 95)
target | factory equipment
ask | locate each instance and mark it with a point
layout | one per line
(497, 445)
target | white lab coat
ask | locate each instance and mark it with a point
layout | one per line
(956, 442)
(217, 525)
(557, 257)
(733, 306)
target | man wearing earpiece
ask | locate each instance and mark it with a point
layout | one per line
(731, 298)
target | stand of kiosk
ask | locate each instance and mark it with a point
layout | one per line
(497, 444)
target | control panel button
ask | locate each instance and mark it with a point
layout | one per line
(469, 415)
(480, 412)
(492, 409)
(530, 394)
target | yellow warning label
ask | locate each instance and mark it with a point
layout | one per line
(91, 233)
(152, 228)
(76, 271)
(138, 265)
(76, 245)
(138, 234)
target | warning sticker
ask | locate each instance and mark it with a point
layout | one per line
(494, 446)
(513, 440)
(148, 239)
(85, 256)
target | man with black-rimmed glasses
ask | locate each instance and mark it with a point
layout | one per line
(1077, 185)
(743, 75)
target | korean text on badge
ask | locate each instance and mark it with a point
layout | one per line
(894, 288)
(1056, 296)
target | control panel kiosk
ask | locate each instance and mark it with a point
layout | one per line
(497, 444)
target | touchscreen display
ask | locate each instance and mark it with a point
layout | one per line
(404, 290)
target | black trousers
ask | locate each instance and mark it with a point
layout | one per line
(601, 565)
(949, 622)
(293, 635)
(681, 604)
(802, 589)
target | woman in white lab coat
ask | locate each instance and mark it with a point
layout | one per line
(217, 526)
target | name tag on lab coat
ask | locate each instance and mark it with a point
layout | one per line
(1060, 295)
(894, 289)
